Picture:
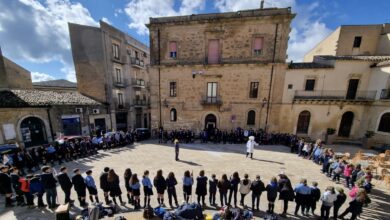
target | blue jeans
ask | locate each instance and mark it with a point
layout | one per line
(51, 196)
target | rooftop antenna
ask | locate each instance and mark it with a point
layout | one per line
(262, 4)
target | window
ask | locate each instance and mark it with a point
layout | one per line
(303, 122)
(115, 51)
(173, 49)
(251, 118)
(310, 84)
(257, 46)
(290, 86)
(118, 75)
(253, 90)
(172, 89)
(173, 115)
(213, 52)
(136, 54)
(120, 100)
(384, 124)
(357, 41)
(212, 92)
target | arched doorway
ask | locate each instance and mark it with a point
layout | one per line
(346, 124)
(210, 122)
(33, 131)
(303, 122)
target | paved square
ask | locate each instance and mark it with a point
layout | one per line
(268, 161)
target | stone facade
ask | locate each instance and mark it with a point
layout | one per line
(12, 75)
(112, 67)
(238, 66)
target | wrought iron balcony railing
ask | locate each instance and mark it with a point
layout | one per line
(334, 95)
(137, 62)
(385, 94)
(211, 100)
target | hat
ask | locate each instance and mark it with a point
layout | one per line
(252, 138)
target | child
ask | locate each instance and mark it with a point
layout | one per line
(135, 188)
(187, 185)
(257, 187)
(25, 188)
(79, 186)
(245, 188)
(91, 186)
(338, 170)
(315, 197)
(223, 186)
(171, 188)
(328, 199)
(16, 185)
(148, 188)
(127, 176)
(36, 188)
(341, 197)
(234, 181)
(347, 174)
(272, 193)
(212, 189)
(161, 185)
(201, 187)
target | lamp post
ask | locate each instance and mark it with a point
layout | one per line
(263, 104)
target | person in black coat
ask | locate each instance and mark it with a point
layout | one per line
(160, 184)
(315, 196)
(286, 192)
(234, 181)
(127, 175)
(171, 188)
(5, 186)
(223, 186)
(104, 184)
(113, 186)
(257, 188)
(79, 186)
(213, 182)
(49, 184)
(65, 183)
(17, 186)
(341, 198)
(201, 187)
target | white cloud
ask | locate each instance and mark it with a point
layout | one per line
(70, 73)
(117, 12)
(37, 31)
(37, 77)
(307, 27)
(139, 11)
(106, 20)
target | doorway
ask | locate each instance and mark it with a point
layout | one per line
(33, 132)
(352, 88)
(346, 124)
(210, 122)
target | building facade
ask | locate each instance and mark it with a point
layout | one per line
(112, 67)
(218, 70)
(345, 86)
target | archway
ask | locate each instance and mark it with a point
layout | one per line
(210, 122)
(33, 131)
(346, 124)
(303, 122)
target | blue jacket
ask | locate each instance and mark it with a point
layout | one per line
(36, 186)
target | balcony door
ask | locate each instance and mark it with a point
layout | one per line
(352, 88)
(212, 88)
(213, 52)
(346, 124)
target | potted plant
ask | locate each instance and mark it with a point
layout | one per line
(329, 135)
(367, 139)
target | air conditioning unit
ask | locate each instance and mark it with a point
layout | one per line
(79, 110)
(95, 111)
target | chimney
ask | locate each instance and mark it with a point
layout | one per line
(262, 4)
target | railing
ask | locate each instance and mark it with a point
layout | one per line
(211, 100)
(136, 62)
(138, 82)
(385, 94)
(122, 84)
(335, 95)
(141, 102)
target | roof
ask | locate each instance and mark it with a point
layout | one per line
(310, 65)
(56, 83)
(357, 57)
(37, 98)
(215, 16)
(383, 63)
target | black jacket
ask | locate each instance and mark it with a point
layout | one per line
(213, 185)
(15, 181)
(64, 181)
(103, 181)
(48, 180)
(223, 186)
(160, 183)
(257, 187)
(340, 200)
(78, 182)
(5, 183)
(315, 194)
(171, 182)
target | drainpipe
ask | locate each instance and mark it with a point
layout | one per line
(159, 77)
(50, 125)
(272, 74)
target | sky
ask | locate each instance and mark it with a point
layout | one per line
(34, 33)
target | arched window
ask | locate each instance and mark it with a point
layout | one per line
(251, 118)
(173, 114)
(303, 122)
(384, 123)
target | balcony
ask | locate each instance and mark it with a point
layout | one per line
(121, 84)
(214, 100)
(136, 62)
(141, 103)
(139, 83)
(385, 94)
(335, 95)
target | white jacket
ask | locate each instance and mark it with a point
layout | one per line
(250, 146)
(328, 198)
(245, 189)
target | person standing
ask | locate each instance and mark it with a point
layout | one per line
(25, 188)
(127, 175)
(315, 196)
(6, 186)
(135, 188)
(286, 192)
(148, 188)
(36, 188)
(161, 185)
(272, 193)
(113, 186)
(176, 142)
(80, 187)
(201, 187)
(303, 195)
(223, 186)
(171, 188)
(91, 186)
(234, 181)
(328, 199)
(104, 184)
(245, 188)
(213, 182)
(65, 183)
(17, 186)
(49, 184)
(250, 146)
(188, 181)
(257, 187)
(341, 198)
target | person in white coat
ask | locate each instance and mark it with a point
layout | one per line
(250, 146)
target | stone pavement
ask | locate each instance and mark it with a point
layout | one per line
(268, 161)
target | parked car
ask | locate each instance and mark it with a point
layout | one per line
(8, 149)
(142, 134)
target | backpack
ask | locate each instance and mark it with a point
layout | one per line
(189, 211)
(159, 211)
(169, 216)
(148, 213)
(270, 217)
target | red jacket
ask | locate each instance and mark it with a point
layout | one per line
(24, 185)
